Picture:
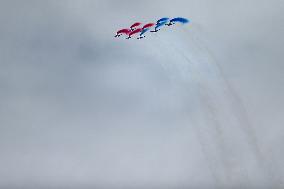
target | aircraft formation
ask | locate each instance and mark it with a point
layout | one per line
(140, 30)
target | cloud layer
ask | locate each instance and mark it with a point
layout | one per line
(81, 109)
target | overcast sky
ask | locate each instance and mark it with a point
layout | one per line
(195, 106)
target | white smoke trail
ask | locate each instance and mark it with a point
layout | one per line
(219, 117)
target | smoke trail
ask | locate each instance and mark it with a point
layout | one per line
(207, 135)
(240, 112)
(224, 110)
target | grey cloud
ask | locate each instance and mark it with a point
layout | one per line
(193, 108)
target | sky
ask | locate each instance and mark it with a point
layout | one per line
(194, 106)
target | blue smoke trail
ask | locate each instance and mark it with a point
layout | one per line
(165, 19)
(180, 20)
(159, 25)
(143, 32)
